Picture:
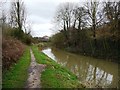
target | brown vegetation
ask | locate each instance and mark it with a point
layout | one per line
(12, 49)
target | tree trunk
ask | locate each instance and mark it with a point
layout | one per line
(18, 14)
(79, 24)
(67, 24)
(74, 24)
(94, 36)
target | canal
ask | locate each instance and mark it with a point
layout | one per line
(91, 72)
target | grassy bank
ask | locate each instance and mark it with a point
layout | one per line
(16, 76)
(55, 76)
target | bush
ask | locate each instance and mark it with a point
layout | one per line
(12, 50)
(58, 40)
(27, 39)
(18, 34)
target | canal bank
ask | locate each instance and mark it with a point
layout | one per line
(55, 75)
(91, 72)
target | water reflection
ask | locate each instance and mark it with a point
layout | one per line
(90, 71)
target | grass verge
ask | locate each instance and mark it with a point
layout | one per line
(55, 76)
(17, 75)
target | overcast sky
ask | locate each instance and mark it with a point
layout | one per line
(41, 13)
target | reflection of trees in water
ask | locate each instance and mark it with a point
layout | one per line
(97, 77)
(72, 62)
(89, 74)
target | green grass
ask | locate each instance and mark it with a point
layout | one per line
(55, 76)
(16, 77)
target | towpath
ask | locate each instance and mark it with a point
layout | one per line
(34, 73)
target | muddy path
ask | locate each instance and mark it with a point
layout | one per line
(34, 73)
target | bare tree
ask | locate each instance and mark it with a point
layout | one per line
(79, 13)
(64, 15)
(2, 15)
(112, 12)
(94, 17)
(28, 28)
(18, 14)
(3, 19)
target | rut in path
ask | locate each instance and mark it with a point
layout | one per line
(34, 73)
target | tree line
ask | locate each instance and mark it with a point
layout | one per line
(91, 28)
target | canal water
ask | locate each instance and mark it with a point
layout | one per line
(91, 72)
